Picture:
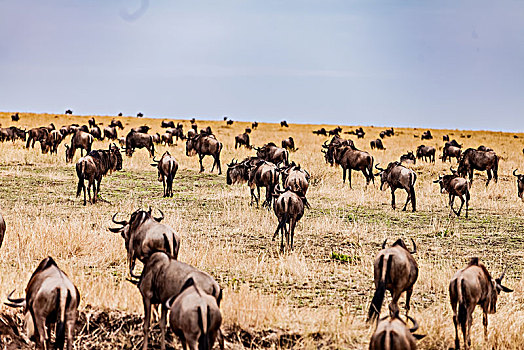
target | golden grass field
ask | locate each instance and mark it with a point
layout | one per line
(304, 298)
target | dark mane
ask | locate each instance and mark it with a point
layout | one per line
(400, 242)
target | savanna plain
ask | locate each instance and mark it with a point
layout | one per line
(316, 296)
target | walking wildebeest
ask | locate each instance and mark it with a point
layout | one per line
(139, 140)
(392, 333)
(395, 270)
(473, 159)
(110, 133)
(455, 185)
(321, 131)
(272, 153)
(295, 178)
(50, 298)
(398, 176)
(167, 168)
(36, 134)
(167, 139)
(254, 125)
(468, 288)
(93, 167)
(336, 141)
(283, 123)
(96, 132)
(82, 140)
(15, 117)
(242, 140)
(117, 123)
(143, 235)
(425, 153)
(205, 145)
(51, 142)
(335, 131)
(289, 144)
(350, 158)
(262, 174)
(239, 172)
(450, 151)
(408, 158)
(289, 209)
(169, 124)
(426, 135)
(91, 122)
(178, 132)
(520, 184)
(377, 144)
(69, 111)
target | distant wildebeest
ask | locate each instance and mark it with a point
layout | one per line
(177, 132)
(156, 138)
(395, 270)
(248, 131)
(262, 174)
(91, 122)
(451, 151)
(239, 172)
(50, 298)
(120, 114)
(388, 132)
(167, 139)
(167, 167)
(192, 121)
(360, 133)
(190, 133)
(169, 124)
(426, 135)
(426, 153)
(110, 133)
(445, 138)
(144, 235)
(12, 133)
(2, 229)
(398, 176)
(468, 288)
(143, 129)
(408, 158)
(295, 178)
(36, 134)
(69, 111)
(484, 148)
(117, 123)
(15, 117)
(520, 184)
(455, 185)
(164, 278)
(205, 145)
(321, 131)
(194, 127)
(96, 132)
(139, 115)
(254, 125)
(229, 122)
(392, 333)
(139, 140)
(225, 118)
(207, 131)
(377, 144)
(283, 123)
(242, 140)
(289, 144)
(68, 129)
(335, 131)
(82, 140)
(349, 158)
(472, 159)
(93, 167)
(289, 209)
(272, 153)
(51, 142)
(195, 317)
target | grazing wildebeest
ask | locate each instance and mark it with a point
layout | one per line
(163, 278)
(143, 129)
(167, 168)
(328, 149)
(350, 158)
(139, 140)
(82, 140)
(451, 151)
(36, 134)
(229, 122)
(91, 122)
(143, 235)
(51, 142)
(455, 185)
(295, 178)
(262, 174)
(426, 135)
(289, 144)
(254, 125)
(167, 139)
(289, 209)
(139, 115)
(93, 167)
(395, 270)
(242, 140)
(473, 159)
(425, 153)
(2, 229)
(453, 143)
(272, 153)
(117, 123)
(408, 158)
(69, 111)
(110, 133)
(445, 138)
(205, 145)
(398, 176)
(321, 131)
(15, 117)
(335, 131)
(377, 144)
(520, 184)
(195, 317)
(283, 123)
(468, 288)
(393, 334)
(169, 124)
(248, 131)
(50, 298)
(11, 134)
(177, 132)
(96, 132)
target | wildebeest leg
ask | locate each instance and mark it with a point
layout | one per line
(461, 204)
(41, 334)
(252, 195)
(408, 299)
(349, 177)
(164, 185)
(489, 177)
(258, 198)
(393, 306)
(451, 200)
(163, 318)
(147, 320)
(343, 175)
(393, 197)
(217, 160)
(407, 200)
(453, 298)
(70, 327)
(292, 225)
(485, 323)
(88, 191)
(200, 157)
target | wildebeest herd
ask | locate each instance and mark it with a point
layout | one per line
(192, 297)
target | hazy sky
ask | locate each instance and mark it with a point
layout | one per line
(447, 64)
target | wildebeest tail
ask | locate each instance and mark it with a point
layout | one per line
(412, 191)
(380, 292)
(203, 323)
(168, 246)
(370, 170)
(461, 293)
(286, 157)
(152, 146)
(80, 171)
(496, 168)
(63, 298)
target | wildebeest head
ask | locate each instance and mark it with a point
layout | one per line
(408, 157)
(69, 153)
(520, 184)
(383, 173)
(497, 288)
(137, 218)
(191, 145)
(116, 156)
(329, 149)
(237, 172)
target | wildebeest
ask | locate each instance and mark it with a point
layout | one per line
(239, 172)
(426, 135)
(80, 139)
(350, 158)
(167, 139)
(177, 132)
(50, 298)
(425, 153)
(248, 131)
(377, 144)
(262, 174)
(195, 317)
(335, 131)
(93, 167)
(192, 121)
(473, 159)
(468, 288)
(91, 122)
(169, 124)
(395, 270)
(120, 114)
(484, 148)
(321, 131)
(295, 178)
(520, 184)
(205, 145)
(398, 176)
(328, 149)
(139, 115)
(12, 133)
(143, 235)
(242, 140)
(408, 158)
(36, 134)
(117, 123)
(283, 123)
(289, 144)
(254, 125)
(167, 167)
(388, 132)
(68, 111)
(96, 132)
(110, 133)
(445, 138)
(2, 229)
(163, 278)
(229, 122)
(392, 333)
(15, 117)
(156, 138)
(272, 153)
(455, 185)
(143, 129)
(83, 128)
(139, 140)
(51, 142)
(289, 209)
(451, 151)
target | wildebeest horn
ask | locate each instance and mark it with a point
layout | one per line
(415, 324)
(123, 222)
(414, 247)
(515, 172)
(161, 217)
(452, 170)
(376, 167)
(154, 160)
(13, 300)
(384, 244)
(256, 148)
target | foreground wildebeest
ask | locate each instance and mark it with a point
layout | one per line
(15, 117)
(36, 134)
(321, 131)
(289, 144)
(451, 151)
(289, 209)
(473, 159)
(195, 317)
(50, 298)
(143, 235)
(520, 184)
(110, 133)
(169, 124)
(91, 122)
(136, 139)
(283, 123)
(295, 178)
(242, 140)
(93, 167)
(328, 149)
(395, 270)
(82, 140)
(143, 129)
(398, 176)
(272, 153)
(68, 111)
(377, 144)
(140, 115)
(393, 334)
(426, 135)
(408, 158)
(455, 185)
(425, 153)
(96, 132)
(262, 174)
(2, 229)
(167, 168)
(470, 287)
(205, 145)
(117, 123)
(163, 278)
(350, 158)
(254, 125)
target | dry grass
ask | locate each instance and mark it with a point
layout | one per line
(305, 297)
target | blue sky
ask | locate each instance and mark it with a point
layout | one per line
(446, 64)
